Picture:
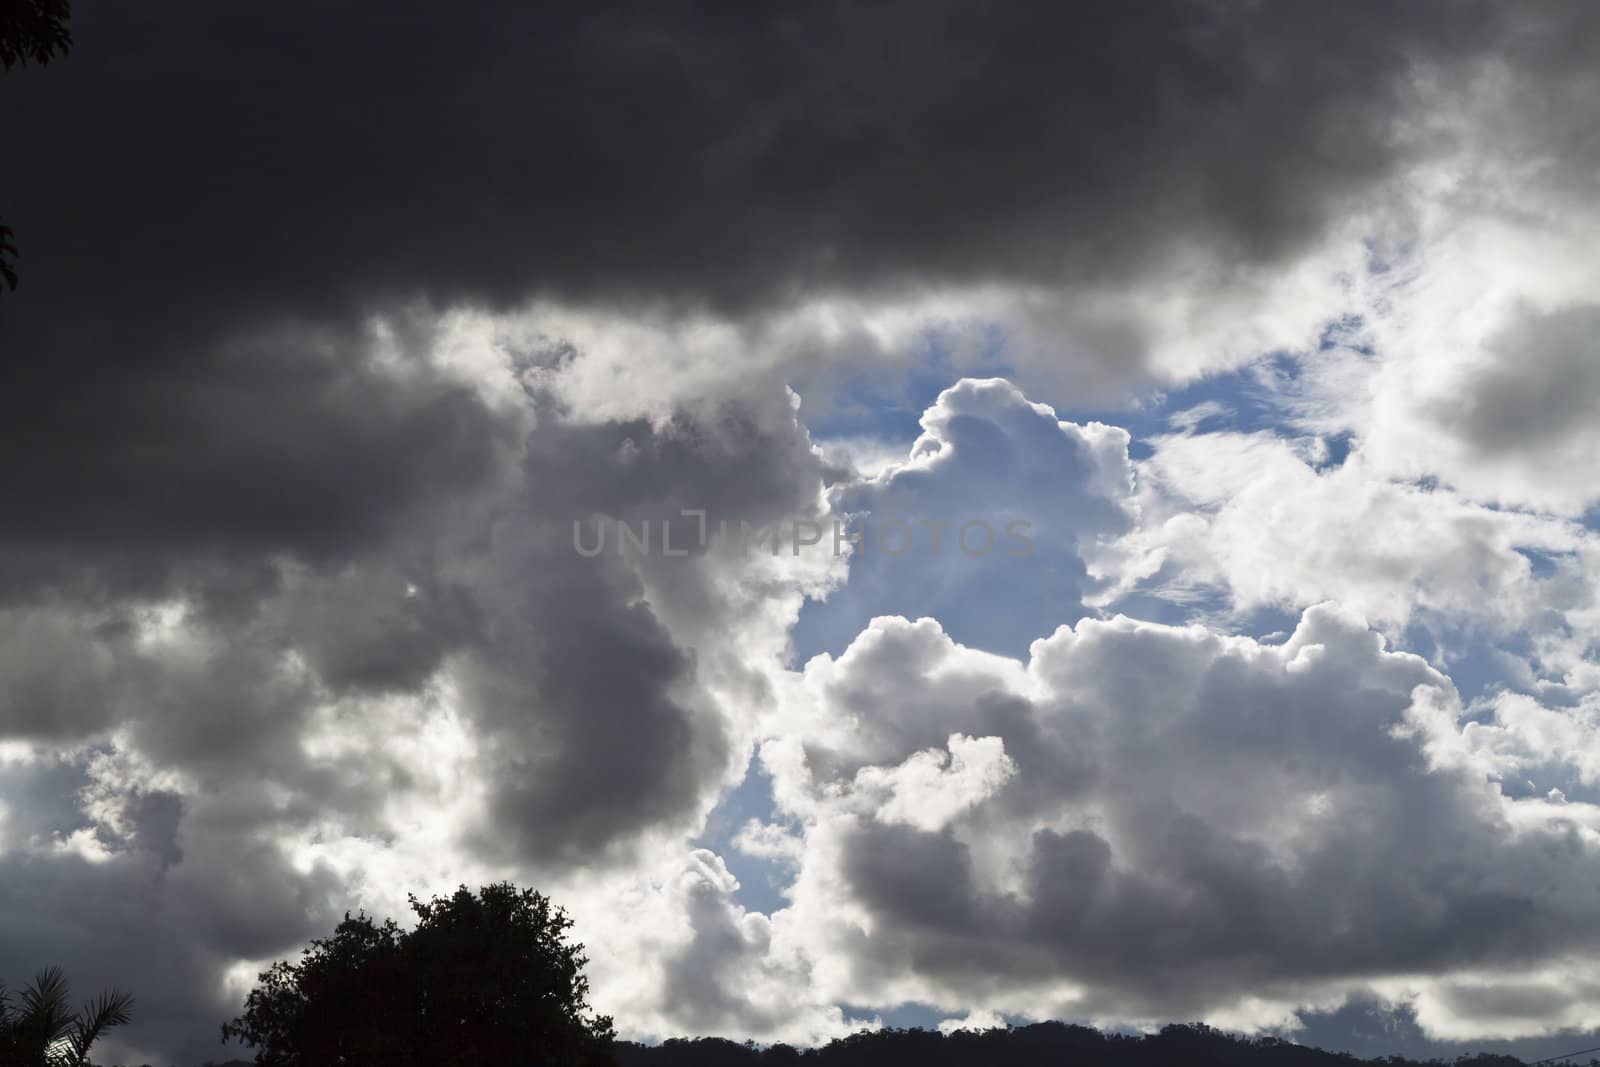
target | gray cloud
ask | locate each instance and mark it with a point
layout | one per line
(1540, 391)
(1244, 821)
(292, 440)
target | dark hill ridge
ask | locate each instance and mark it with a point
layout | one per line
(1039, 1045)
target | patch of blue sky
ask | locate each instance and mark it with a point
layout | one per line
(886, 401)
(761, 880)
(1245, 400)
(815, 632)
(1480, 664)
(1159, 599)
(1544, 564)
(1002, 608)
(901, 1017)
(1163, 598)
(1336, 449)
(1269, 624)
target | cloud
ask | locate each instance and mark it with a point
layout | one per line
(315, 443)
(932, 787)
(1524, 737)
(1026, 146)
(1260, 517)
(1466, 356)
(685, 957)
(974, 1020)
(1196, 826)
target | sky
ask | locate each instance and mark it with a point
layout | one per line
(898, 514)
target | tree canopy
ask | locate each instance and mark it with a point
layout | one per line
(483, 978)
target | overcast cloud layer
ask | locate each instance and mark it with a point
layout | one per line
(1269, 327)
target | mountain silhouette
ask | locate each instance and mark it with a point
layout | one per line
(1039, 1045)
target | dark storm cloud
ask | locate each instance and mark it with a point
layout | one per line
(210, 200)
(236, 162)
(118, 459)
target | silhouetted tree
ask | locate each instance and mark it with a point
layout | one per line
(29, 30)
(33, 29)
(40, 1029)
(485, 978)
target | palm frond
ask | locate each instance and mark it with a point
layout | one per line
(99, 1015)
(44, 1006)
